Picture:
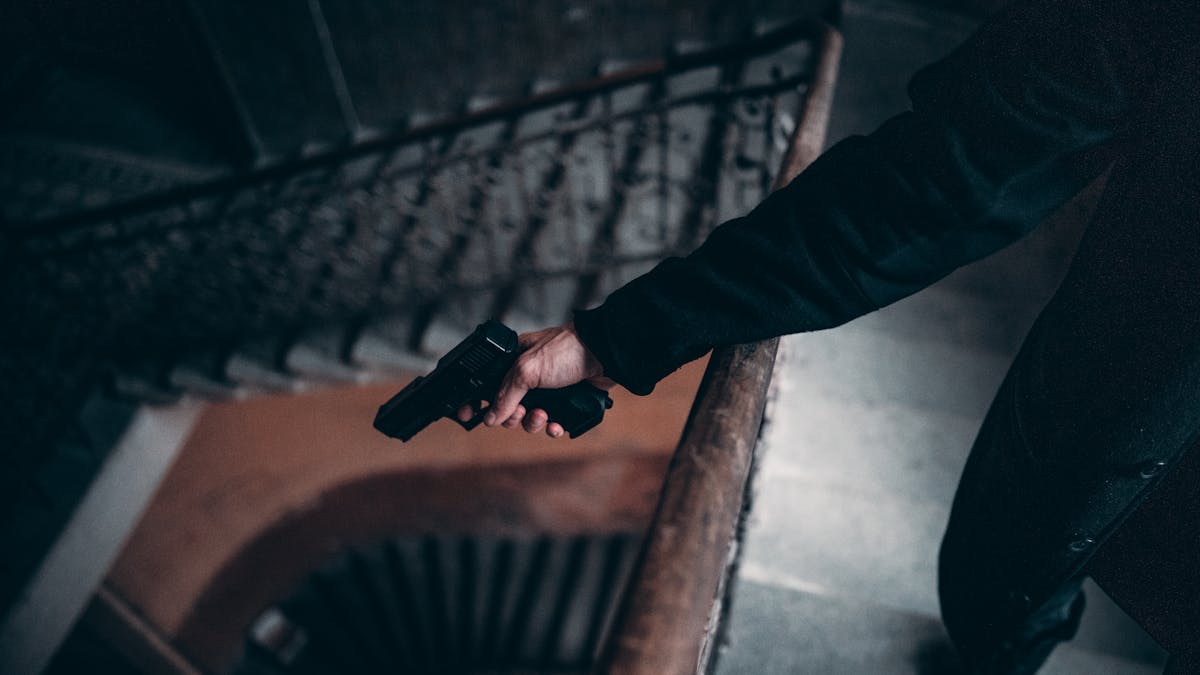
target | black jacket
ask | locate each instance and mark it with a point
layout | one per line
(1105, 393)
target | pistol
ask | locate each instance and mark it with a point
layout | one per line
(470, 374)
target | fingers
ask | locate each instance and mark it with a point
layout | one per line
(550, 358)
(537, 420)
(515, 420)
(516, 384)
(537, 423)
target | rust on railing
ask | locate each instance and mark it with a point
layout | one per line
(672, 606)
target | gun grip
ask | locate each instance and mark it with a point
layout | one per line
(576, 408)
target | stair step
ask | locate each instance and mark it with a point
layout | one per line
(888, 446)
(144, 385)
(41, 178)
(945, 313)
(254, 366)
(779, 625)
(103, 419)
(856, 542)
(317, 356)
(450, 327)
(383, 346)
(860, 363)
(541, 304)
(774, 628)
(203, 373)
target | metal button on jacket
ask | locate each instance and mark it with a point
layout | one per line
(1081, 544)
(1152, 469)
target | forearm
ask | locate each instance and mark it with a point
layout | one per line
(1001, 133)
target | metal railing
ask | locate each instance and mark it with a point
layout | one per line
(674, 604)
(583, 185)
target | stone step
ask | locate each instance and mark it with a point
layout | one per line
(866, 437)
(872, 366)
(783, 626)
(383, 346)
(255, 365)
(945, 313)
(318, 355)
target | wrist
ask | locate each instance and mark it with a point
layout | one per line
(591, 364)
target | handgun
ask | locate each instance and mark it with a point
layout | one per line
(470, 374)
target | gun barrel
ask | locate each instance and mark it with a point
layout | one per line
(408, 412)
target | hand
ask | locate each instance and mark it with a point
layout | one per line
(550, 359)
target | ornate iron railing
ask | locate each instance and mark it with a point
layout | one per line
(565, 194)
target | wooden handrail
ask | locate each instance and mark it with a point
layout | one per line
(672, 606)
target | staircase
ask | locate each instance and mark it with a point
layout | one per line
(364, 208)
(351, 244)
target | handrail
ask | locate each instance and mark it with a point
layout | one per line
(672, 606)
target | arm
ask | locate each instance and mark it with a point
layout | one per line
(1001, 132)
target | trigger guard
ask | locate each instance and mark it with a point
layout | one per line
(480, 412)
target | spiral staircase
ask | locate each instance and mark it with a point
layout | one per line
(262, 212)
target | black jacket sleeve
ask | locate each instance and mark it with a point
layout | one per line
(1001, 132)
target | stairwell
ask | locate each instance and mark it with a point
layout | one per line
(870, 423)
(339, 236)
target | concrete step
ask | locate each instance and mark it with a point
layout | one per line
(780, 627)
(948, 314)
(872, 366)
(383, 346)
(44, 177)
(318, 353)
(203, 373)
(255, 365)
(867, 435)
(856, 543)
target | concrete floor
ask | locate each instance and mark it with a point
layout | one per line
(869, 430)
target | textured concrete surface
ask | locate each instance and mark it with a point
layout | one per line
(871, 426)
(800, 631)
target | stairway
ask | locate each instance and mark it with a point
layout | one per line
(357, 253)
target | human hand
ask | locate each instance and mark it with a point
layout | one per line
(550, 359)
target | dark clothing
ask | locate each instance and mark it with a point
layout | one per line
(1003, 131)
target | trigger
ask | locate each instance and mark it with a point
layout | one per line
(470, 424)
